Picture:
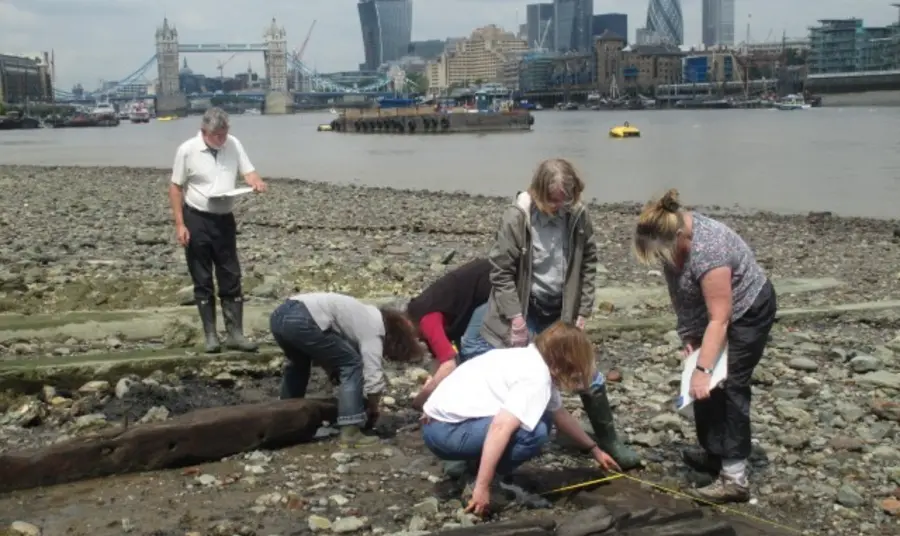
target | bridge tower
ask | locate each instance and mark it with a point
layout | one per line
(278, 100)
(169, 98)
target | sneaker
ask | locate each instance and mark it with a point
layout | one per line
(352, 436)
(700, 460)
(724, 490)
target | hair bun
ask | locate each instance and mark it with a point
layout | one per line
(669, 201)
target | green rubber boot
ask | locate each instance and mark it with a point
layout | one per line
(233, 314)
(596, 405)
(352, 436)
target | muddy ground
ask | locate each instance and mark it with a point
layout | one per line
(826, 421)
(826, 413)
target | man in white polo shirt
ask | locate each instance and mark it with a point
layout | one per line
(207, 166)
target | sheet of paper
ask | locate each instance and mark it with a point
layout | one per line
(234, 193)
(720, 372)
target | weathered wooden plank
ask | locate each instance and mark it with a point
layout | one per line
(197, 437)
(526, 527)
(638, 511)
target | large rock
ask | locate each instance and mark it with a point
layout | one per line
(197, 437)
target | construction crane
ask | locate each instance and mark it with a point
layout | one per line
(297, 55)
(539, 44)
(222, 64)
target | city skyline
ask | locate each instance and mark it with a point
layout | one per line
(109, 39)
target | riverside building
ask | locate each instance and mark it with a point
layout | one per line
(25, 78)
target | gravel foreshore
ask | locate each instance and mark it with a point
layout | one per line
(827, 394)
(102, 238)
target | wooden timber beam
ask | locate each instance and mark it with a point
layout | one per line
(197, 437)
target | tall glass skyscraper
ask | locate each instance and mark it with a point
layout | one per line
(572, 25)
(665, 21)
(718, 22)
(539, 24)
(386, 30)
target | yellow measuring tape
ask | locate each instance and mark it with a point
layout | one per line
(584, 484)
(676, 493)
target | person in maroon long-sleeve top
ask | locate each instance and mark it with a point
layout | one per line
(443, 313)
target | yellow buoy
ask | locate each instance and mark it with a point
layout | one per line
(624, 131)
(325, 128)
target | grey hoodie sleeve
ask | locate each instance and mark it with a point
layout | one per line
(373, 368)
(505, 256)
(588, 269)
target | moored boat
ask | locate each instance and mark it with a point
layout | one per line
(793, 102)
(17, 121)
(104, 109)
(139, 113)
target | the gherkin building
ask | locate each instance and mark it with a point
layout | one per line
(664, 19)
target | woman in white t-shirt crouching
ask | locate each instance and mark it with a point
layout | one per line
(497, 409)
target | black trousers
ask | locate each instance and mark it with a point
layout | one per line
(723, 419)
(213, 243)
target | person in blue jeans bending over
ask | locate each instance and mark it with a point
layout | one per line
(497, 409)
(544, 261)
(348, 339)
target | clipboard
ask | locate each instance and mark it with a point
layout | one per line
(233, 193)
(685, 401)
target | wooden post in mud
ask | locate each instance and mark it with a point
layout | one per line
(197, 437)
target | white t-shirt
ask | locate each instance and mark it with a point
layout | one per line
(204, 173)
(514, 379)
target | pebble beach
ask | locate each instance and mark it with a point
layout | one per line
(100, 241)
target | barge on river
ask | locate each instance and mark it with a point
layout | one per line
(17, 121)
(412, 118)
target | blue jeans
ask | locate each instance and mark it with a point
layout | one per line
(464, 441)
(304, 343)
(473, 344)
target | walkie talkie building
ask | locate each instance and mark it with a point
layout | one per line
(665, 21)
(386, 30)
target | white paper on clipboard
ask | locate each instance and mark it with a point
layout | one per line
(719, 374)
(234, 193)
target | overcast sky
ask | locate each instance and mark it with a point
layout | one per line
(109, 39)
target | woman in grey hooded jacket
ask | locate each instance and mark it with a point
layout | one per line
(544, 261)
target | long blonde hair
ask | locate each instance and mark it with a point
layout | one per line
(656, 234)
(569, 355)
(553, 175)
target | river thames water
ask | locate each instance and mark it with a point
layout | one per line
(846, 160)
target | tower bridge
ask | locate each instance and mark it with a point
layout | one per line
(278, 65)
